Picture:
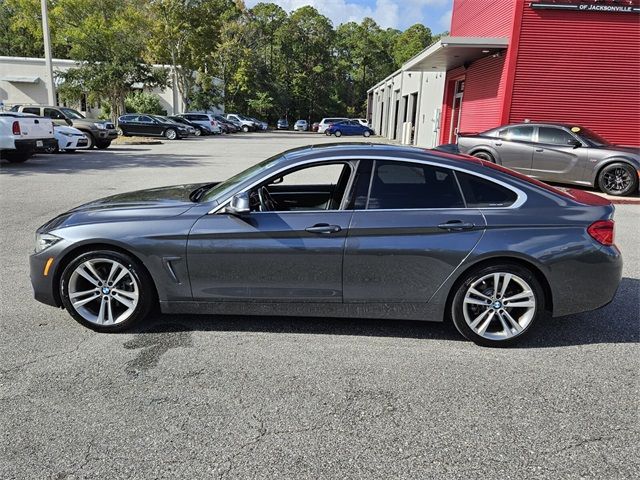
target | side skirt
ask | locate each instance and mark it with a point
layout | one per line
(399, 311)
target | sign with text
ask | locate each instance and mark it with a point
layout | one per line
(587, 7)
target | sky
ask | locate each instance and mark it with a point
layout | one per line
(400, 14)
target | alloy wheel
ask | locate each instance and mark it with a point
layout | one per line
(103, 291)
(499, 306)
(171, 134)
(617, 179)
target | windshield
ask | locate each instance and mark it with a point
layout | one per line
(224, 187)
(71, 113)
(592, 137)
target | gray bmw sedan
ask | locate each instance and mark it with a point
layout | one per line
(357, 230)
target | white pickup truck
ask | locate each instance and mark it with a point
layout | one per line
(22, 134)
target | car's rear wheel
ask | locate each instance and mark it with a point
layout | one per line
(367, 133)
(16, 156)
(485, 156)
(245, 128)
(106, 291)
(170, 134)
(618, 179)
(497, 305)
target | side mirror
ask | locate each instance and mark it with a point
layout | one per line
(575, 143)
(277, 181)
(239, 204)
(69, 122)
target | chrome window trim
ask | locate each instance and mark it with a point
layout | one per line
(520, 200)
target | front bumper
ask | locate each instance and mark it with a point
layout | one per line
(43, 285)
(109, 134)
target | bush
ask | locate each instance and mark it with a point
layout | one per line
(142, 102)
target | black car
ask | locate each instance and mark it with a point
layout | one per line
(199, 129)
(134, 124)
(226, 125)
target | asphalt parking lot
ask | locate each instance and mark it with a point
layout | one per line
(293, 398)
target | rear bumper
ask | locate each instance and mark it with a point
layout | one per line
(34, 145)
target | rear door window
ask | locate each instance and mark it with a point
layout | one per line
(33, 110)
(480, 192)
(519, 134)
(398, 185)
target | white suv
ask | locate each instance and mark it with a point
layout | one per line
(325, 122)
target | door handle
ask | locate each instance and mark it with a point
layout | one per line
(498, 144)
(323, 228)
(456, 225)
(539, 149)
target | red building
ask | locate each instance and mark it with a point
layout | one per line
(573, 61)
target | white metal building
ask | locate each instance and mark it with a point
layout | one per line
(23, 81)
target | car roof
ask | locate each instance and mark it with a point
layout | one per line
(535, 124)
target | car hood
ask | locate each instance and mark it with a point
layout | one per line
(618, 148)
(147, 204)
(67, 130)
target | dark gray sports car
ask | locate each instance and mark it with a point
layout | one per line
(560, 153)
(338, 230)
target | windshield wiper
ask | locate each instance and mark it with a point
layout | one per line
(199, 192)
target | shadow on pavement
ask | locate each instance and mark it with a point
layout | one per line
(98, 161)
(618, 322)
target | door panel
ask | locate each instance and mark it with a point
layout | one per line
(404, 256)
(268, 256)
(554, 159)
(515, 148)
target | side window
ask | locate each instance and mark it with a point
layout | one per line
(479, 192)
(519, 134)
(145, 119)
(316, 175)
(554, 136)
(399, 185)
(33, 110)
(53, 113)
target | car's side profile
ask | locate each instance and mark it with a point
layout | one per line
(348, 127)
(558, 153)
(351, 230)
(151, 126)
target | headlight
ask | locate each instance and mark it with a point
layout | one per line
(45, 240)
(67, 134)
(101, 126)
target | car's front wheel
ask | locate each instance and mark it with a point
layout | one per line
(338, 133)
(497, 305)
(618, 179)
(197, 132)
(106, 291)
(367, 133)
(170, 134)
(245, 128)
(103, 144)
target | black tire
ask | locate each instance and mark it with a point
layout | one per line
(198, 132)
(338, 133)
(618, 179)
(170, 134)
(146, 290)
(70, 151)
(367, 133)
(102, 145)
(54, 149)
(16, 157)
(92, 140)
(482, 155)
(458, 305)
(245, 128)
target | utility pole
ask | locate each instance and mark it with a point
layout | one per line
(51, 87)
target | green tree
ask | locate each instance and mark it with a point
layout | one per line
(143, 102)
(410, 42)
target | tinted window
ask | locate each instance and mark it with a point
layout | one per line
(554, 136)
(52, 113)
(479, 192)
(145, 119)
(34, 110)
(408, 185)
(519, 134)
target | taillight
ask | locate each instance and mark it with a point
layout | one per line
(602, 231)
(15, 128)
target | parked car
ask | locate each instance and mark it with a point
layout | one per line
(260, 124)
(198, 129)
(226, 125)
(68, 139)
(99, 133)
(133, 124)
(315, 126)
(348, 127)
(283, 124)
(22, 134)
(207, 120)
(362, 122)
(246, 124)
(325, 122)
(301, 126)
(371, 231)
(557, 152)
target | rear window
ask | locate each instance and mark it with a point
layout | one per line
(480, 192)
(197, 117)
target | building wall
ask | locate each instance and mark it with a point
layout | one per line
(482, 18)
(12, 93)
(580, 67)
